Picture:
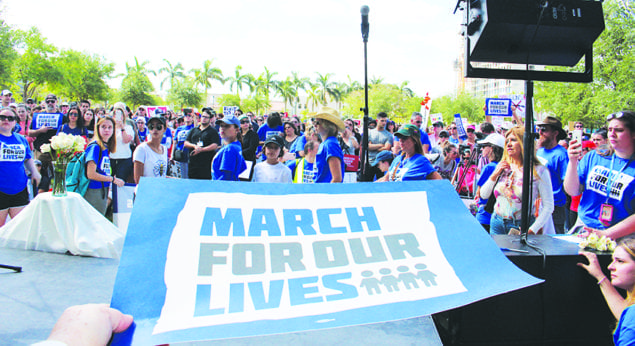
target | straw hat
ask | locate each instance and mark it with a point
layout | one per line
(330, 114)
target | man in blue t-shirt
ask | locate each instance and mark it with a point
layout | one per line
(45, 125)
(417, 120)
(556, 160)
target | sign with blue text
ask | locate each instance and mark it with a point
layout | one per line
(498, 107)
(234, 259)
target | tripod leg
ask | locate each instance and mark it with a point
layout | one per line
(16, 269)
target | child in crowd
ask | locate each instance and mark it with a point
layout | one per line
(303, 169)
(271, 170)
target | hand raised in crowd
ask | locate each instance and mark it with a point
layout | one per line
(575, 150)
(90, 324)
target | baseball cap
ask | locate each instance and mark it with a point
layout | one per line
(408, 130)
(276, 140)
(383, 155)
(229, 120)
(494, 139)
(6, 92)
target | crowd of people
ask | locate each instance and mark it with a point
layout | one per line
(580, 182)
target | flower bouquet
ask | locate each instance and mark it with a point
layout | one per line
(62, 149)
(593, 242)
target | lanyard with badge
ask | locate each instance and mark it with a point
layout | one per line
(606, 210)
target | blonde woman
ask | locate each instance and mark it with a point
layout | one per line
(506, 185)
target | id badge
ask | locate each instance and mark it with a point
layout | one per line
(606, 214)
(200, 143)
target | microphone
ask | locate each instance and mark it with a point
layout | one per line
(364, 10)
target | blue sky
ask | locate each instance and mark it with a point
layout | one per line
(416, 41)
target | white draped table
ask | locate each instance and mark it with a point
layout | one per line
(63, 224)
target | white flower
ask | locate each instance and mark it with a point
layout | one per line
(45, 148)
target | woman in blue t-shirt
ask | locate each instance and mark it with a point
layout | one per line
(622, 276)
(613, 214)
(493, 146)
(410, 164)
(329, 161)
(14, 157)
(75, 124)
(228, 162)
(98, 164)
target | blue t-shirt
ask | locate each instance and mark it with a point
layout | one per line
(265, 132)
(415, 168)
(298, 144)
(482, 216)
(181, 135)
(557, 161)
(625, 331)
(329, 148)
(77, 131)
(143, 134)
(594, 171)
(167, 134)
(229, 158)
(14, 150)
(103, 166)
(308, 170)
(425, 139)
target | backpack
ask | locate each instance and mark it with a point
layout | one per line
(76, 178)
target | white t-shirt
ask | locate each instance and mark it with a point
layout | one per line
(154, 165)
(266, 173)
(123, 149)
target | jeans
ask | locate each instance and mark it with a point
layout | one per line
(183, 166)
(498, 225)
(559, 216)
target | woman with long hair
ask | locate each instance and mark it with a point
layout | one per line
(249, 140)
(121, 161)
(506, 185)
(410, 164)
(229, 162)
(611, 214)
(89, 122)
(98, 164)
(493, 150)
(75, 124)
(622, 270)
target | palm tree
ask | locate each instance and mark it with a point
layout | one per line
(299, 83)
(405, 89)
(287, 91)
(237, 80)
(326, 87)
(205, 75)
(139, 68)
(173, 72)
(376, 81)
(313, 96)
(267, 82)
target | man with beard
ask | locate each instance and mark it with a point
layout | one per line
(202, 141)
(45, 125)
(556, 160)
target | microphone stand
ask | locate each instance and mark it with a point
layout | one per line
(528, 163)
(365, 165)
(15, 269)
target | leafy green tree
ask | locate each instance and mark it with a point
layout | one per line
(184, 94)
(468, 106)
(34, 66)
(258, 104)
(135, 89)
(613, 67)
(173, 72)
(8, 55)
(382, 98)
(205, 75)
(82, 76)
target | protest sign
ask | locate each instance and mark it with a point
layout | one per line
(52, 120)
(460, 126)
(229, 110)
(436, 117)
(156, 110)
(229, 259)
(498, 107)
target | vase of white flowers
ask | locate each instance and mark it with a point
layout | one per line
(62, 149)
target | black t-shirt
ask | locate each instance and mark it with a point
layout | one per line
(200, 164)
(249, 144)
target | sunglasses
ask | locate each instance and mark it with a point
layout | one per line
(7, 117)
(159, 127)
(542, 129)
(50, 101)
(617, 115)
(72, 114)
(579, 126)
(244, 121)
(452, 128)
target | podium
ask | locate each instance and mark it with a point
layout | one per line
(567, 309)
